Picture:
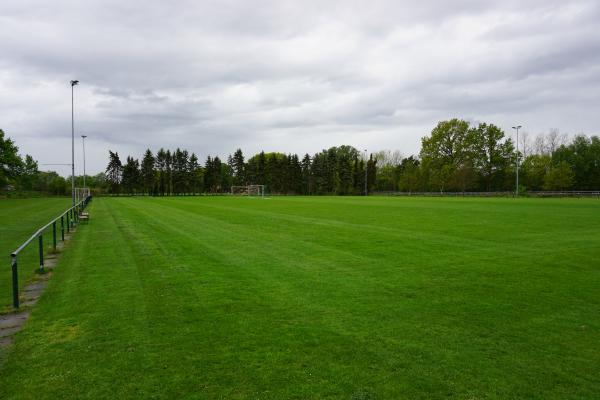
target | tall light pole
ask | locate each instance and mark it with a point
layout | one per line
(83, 137)
(73, 83)
(366, 170)
(517, 186)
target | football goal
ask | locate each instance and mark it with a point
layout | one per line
(81, 194)
(248, 190)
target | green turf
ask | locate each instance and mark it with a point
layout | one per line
(322, 297)
(19, 219)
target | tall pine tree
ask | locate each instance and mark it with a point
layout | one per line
(114, 171)
(148, 176)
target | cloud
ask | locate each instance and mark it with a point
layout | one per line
(289, 76)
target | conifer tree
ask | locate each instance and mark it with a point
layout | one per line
(148, 173)
(238, 168)
(306, 174)
(114, 171)
(131, 175)
(161, 171)
(194, 174)
(169, 172)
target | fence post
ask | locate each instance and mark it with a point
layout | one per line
(41, 247)
(68, 223)
(15, 281)
(54, 234)
(62, 228)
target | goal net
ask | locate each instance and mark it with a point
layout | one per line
(81, 194)
(248, 190)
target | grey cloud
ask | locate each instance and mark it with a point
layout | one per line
(292, 76)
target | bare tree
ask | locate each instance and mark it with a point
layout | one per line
(540, 144)
(388, 158)
(555, 139)
(525, 144)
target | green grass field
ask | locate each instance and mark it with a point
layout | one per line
(318, 298)
(19, 219)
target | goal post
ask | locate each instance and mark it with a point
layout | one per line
(256, 190)
(81, 194)
(248, 190)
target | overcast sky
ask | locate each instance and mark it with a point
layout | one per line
(297, 76)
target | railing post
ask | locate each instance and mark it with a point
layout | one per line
(68, 223)
(62, 228)
(15, 281)
(54, 234)
(41, 248)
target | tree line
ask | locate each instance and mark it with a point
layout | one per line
(455, 156)
(460, 157)
(21, 174)
(338, 170)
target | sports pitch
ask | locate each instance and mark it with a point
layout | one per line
(317, 297)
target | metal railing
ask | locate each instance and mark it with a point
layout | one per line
(564, 193)
(446, 194)
(68, 220)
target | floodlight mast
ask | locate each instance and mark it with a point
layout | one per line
(366, 171)
(73, 83)
(517, 184)
(83, 138)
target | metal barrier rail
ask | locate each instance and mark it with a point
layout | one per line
(564, 193)
(71, 216)
(446, 194)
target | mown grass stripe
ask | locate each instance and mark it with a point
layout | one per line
(229, 298)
